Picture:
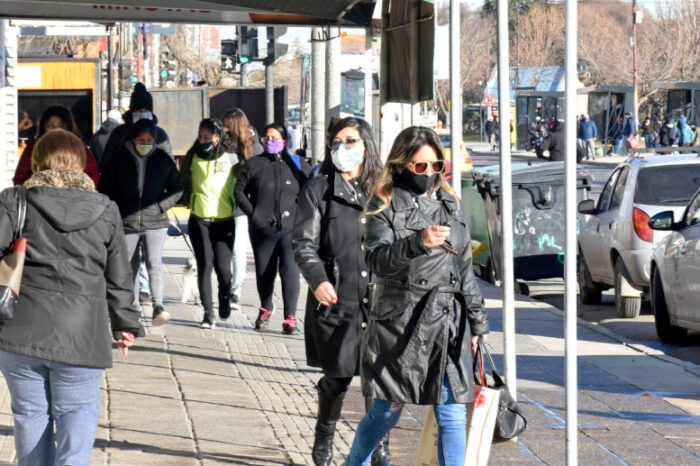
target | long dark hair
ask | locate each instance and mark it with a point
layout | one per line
(64, 114)
(407, 143)
(216, 127)
(242, 134)
(371, 166)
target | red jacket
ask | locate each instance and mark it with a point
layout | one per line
(24, 167)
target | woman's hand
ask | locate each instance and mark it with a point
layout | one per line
(435, 235)
(325, 294)
(125, 342)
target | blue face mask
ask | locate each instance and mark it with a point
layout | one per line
(347, 158)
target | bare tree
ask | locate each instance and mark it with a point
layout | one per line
(180, 47)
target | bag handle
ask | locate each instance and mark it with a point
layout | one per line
(21, 209)
(498, 380)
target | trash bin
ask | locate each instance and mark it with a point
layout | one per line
(538, 218)
(474, 213)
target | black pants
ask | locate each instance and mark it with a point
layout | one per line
(273, 251)
(213, 245)
(334, 386)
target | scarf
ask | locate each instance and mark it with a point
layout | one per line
(65, 179)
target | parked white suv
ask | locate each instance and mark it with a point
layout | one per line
(616, 242)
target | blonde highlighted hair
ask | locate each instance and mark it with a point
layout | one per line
(58, 149)
(407, 143)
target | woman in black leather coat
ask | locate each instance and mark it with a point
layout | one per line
(427, 308)
(327, 240)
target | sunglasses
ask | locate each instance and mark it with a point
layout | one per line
(350, 143)
(421, 167)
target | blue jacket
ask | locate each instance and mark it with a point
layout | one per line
(588, 129)
(629, 128)
(687, 135)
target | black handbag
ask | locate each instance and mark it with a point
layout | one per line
(12, 264)
(510, 421)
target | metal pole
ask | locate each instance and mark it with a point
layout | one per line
(270, 93)
(507, 275)
(634, 60)
(244, 75)
(455, 97)
(369, 79)
(332, 74)
(318, 109)
(110, 70)
(571, 242)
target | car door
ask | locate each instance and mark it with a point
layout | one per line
(688, 253)
(589, 238)
(611, 226)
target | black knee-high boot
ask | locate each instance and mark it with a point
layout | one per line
(381, 455)
(329, 408)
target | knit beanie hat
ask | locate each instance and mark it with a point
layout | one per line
(141, 98)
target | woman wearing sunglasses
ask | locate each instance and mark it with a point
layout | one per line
(427, 309)
(327, 241)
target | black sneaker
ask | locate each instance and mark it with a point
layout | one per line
(160, 316)
(235, 301)
(224, 307)
(208, 322)
(289, 326)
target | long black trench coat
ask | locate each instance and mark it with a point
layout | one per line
(426, 304)
(327, 241)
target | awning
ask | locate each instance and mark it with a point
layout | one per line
(296, 12)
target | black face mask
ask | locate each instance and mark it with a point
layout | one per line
(419, 184)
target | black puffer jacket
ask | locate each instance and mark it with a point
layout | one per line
(327, 240)
(162, 188)
(267, 191)
(77, 281)
(426, 303)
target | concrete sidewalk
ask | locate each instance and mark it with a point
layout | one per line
(186, 396)
(484, 148)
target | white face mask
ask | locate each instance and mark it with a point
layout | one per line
(143, 149)
(136, 116)
(346, 158)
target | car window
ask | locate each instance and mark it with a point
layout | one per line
(604, 199)
(692, 216)
(667, 185)
(619, 190)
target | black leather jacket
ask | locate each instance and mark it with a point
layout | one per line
(327, 241)
(426, 303)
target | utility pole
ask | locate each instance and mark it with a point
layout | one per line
(269, 93)
(636, 18)
(110, 69)
(244, 75)
(318, 92)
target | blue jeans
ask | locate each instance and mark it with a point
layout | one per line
(43, 393)
(452, 429)
(618, 146)
(239, 260)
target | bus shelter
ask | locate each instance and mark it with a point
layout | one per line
(682, 98)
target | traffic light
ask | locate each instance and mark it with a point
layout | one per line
(275, 49)
(247, 44)
(229, 55)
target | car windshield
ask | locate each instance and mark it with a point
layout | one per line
(446, 141)
(667, 185)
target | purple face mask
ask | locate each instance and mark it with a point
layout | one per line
(273, 147)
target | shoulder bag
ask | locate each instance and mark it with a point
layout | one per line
(12, 264)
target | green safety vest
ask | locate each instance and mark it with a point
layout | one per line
(212, 186)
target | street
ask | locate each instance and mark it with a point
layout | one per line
(640, 330)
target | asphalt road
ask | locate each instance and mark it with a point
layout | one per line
(640, 329)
